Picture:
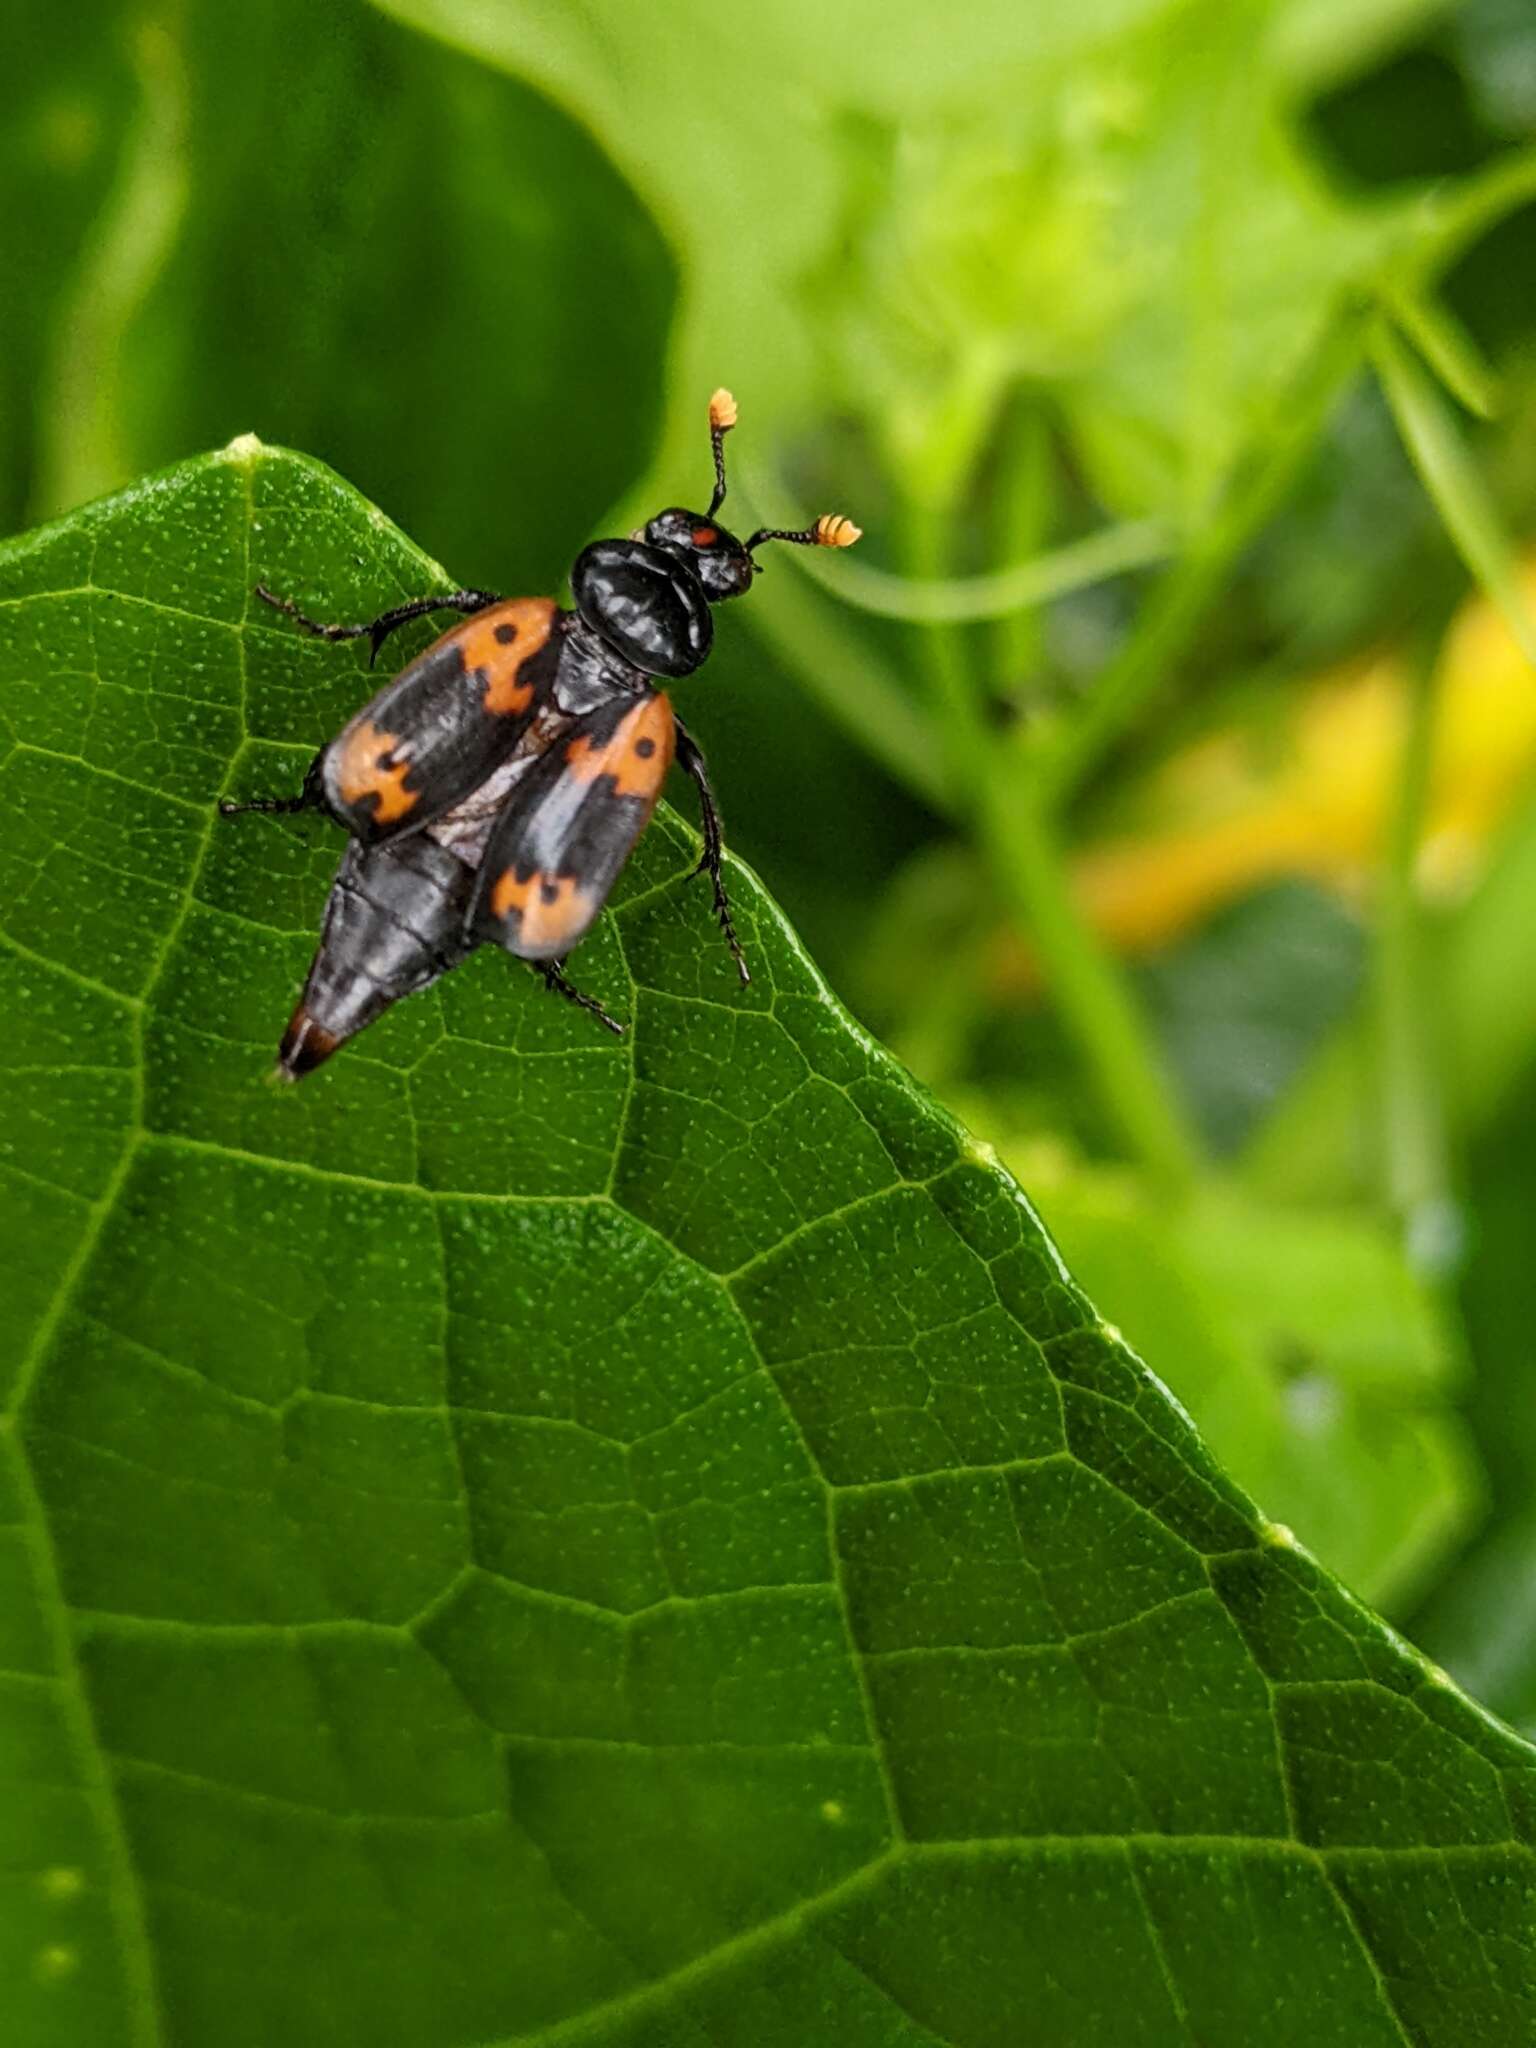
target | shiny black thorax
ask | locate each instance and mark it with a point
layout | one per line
(645, 604)
(648, 597)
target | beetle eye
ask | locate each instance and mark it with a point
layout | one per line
(725, 571)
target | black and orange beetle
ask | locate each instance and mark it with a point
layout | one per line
(496, 786)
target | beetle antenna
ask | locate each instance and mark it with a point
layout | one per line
(831, 530)
(722, 417)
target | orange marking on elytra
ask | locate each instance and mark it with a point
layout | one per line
(370, 763)
(499, 641)
(637, 756)
(553, 909)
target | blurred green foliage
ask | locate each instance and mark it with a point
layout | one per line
(1238, 288)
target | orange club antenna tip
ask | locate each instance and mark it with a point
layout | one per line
(832, 530)
(722, 411)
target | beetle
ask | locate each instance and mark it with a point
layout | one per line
(495, 787)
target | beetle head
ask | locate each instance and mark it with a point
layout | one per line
(649, 597)
(722, 564)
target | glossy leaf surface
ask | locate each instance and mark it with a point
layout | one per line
(534, 1538)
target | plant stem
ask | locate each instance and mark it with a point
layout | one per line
(1025, 502)
(954, 697)
(1454, 484)
(1085, 982)
(849, 676)
(1446, 346)
(1455, 213)
(86, 444)
(1009, 595)
(1013, 823)
(1180, 600)
(1414, 1150)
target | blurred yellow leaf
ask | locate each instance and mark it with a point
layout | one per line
(1242, 807)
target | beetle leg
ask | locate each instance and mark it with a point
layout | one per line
(377, 631)
(691, 761)
(554, 980)
(311, 797)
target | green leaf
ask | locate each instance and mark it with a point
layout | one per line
(320, 222)
(889, 230)
(1317, 41)
(69, 105)
(456, 301)
(1106, 202)
(533, 1538)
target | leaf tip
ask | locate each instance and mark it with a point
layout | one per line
(243, 448)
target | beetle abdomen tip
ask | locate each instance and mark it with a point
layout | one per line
(306, 1045)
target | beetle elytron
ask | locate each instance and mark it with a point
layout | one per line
(496, 786)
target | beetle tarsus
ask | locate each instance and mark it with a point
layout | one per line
(273, 805)
(709, 864)
(550, 972)
(311, 797)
